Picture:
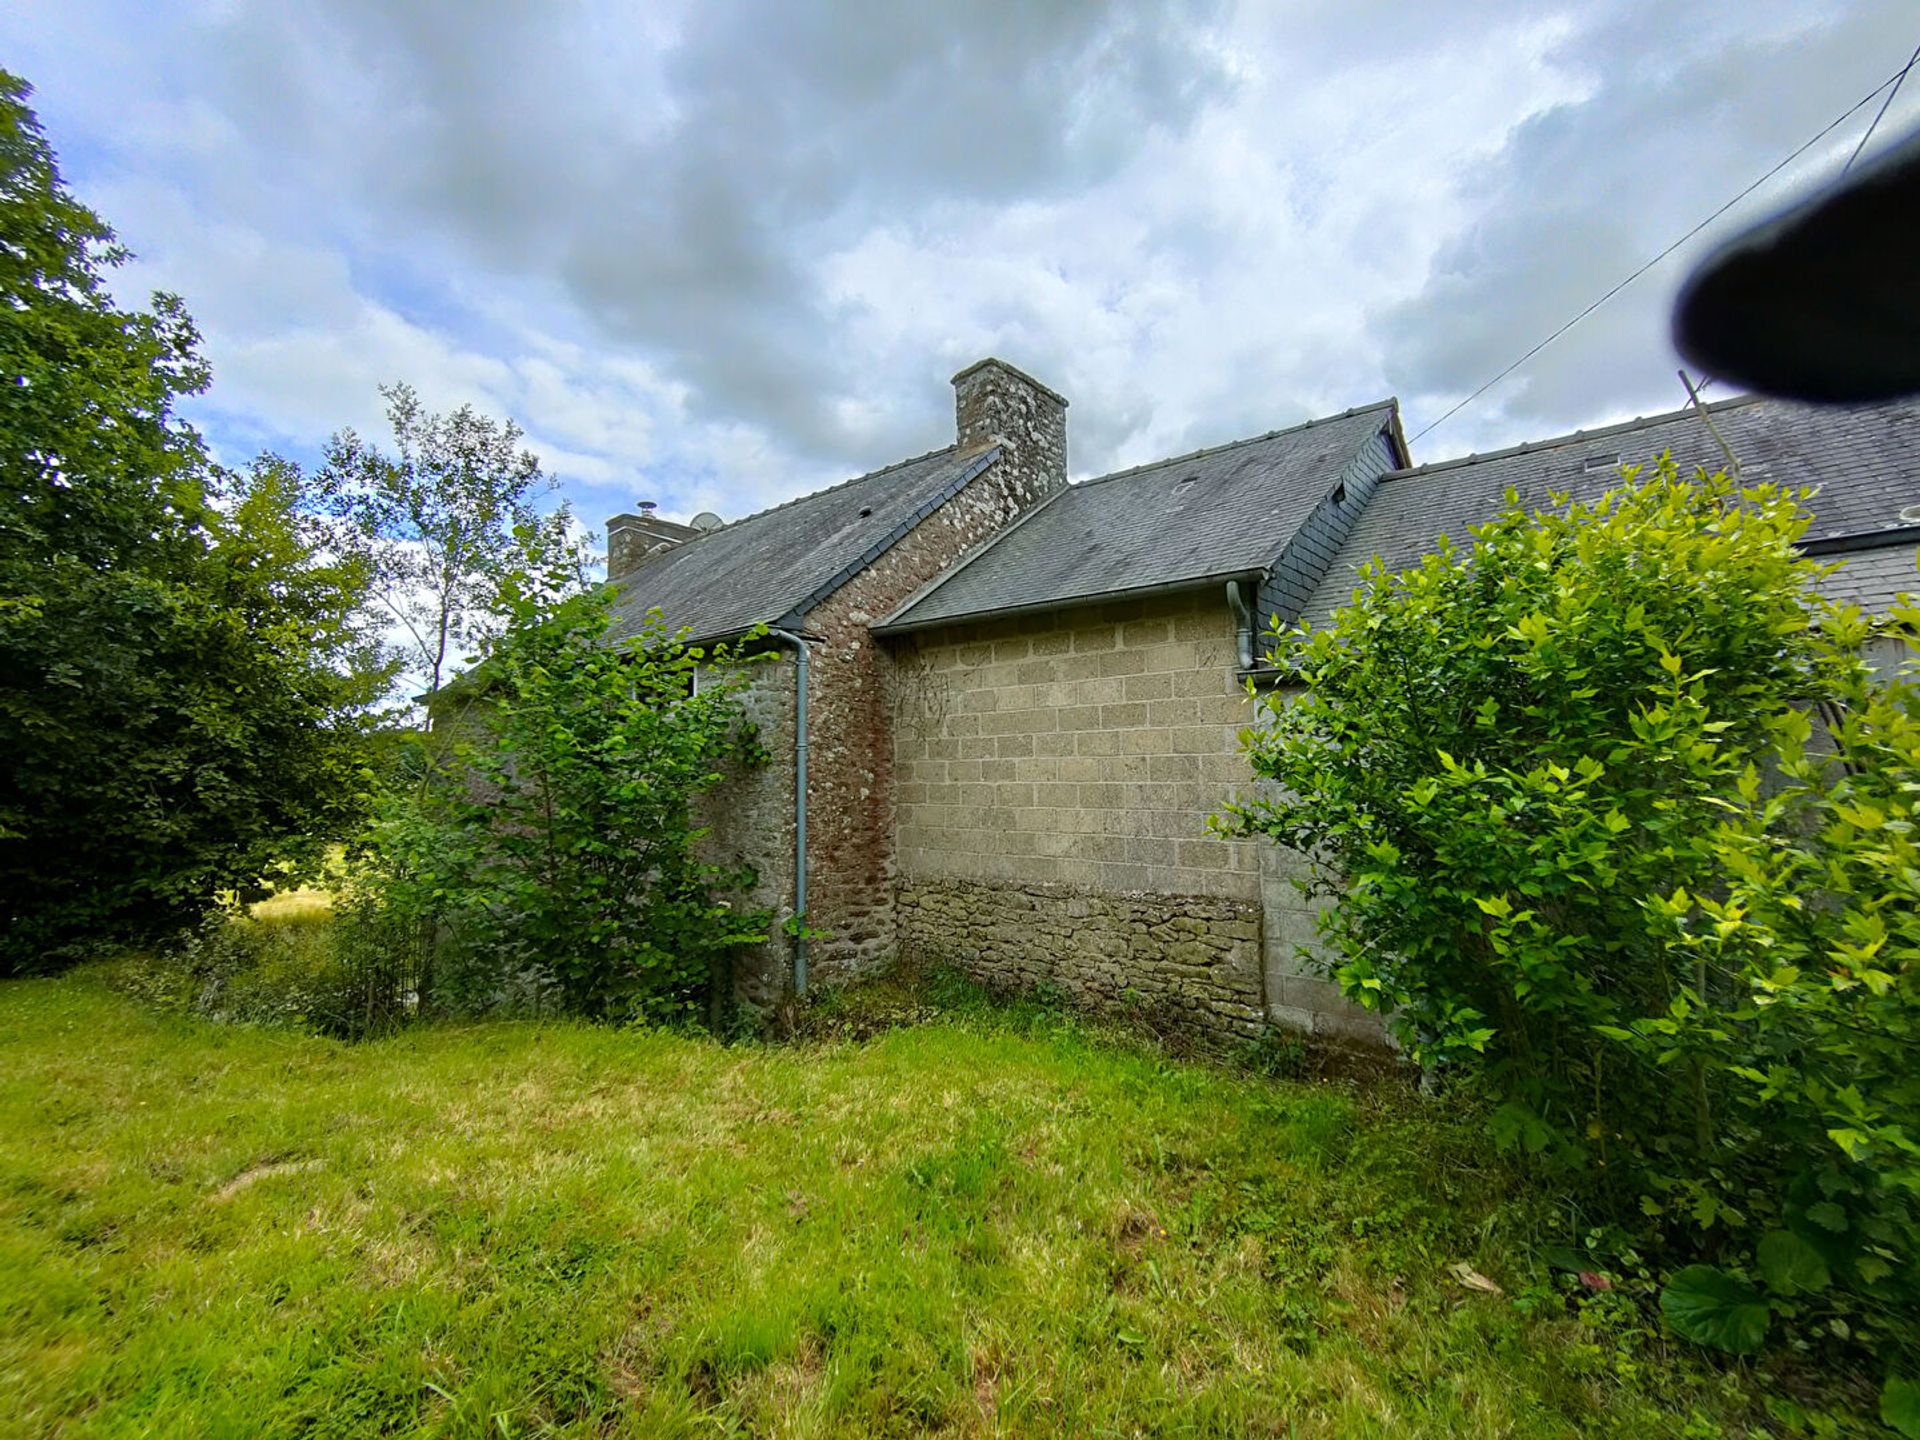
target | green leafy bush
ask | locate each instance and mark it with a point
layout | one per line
(1500, 755)
(1583, 847)
(1811, 934)
(552, 857)
(181, 686)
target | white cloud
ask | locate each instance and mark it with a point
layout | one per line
(719, 255)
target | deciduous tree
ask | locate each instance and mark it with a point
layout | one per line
(180, 686)
(442, 522)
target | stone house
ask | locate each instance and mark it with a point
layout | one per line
(1022, 697)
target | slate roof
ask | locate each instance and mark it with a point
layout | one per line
(1872, 578)
(1227, 511)
(1864, 458)
(771, 568)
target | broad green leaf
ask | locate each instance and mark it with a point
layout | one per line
(1710, 1307)
(1828, 1216)
(1790, 1265)
(1900, 1405)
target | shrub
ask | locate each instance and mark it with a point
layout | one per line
(1500, 754)
(1812, 936)
(1564, 793)
(553, 854)
(275, 967)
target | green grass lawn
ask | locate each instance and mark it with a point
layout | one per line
(992, 1223)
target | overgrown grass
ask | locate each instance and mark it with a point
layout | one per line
(990, 1222)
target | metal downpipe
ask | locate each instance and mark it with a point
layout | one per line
(799, 807)
(1242, 623)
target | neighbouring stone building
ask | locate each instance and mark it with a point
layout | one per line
(1023, 697)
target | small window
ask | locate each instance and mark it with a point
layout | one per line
(1601, 462)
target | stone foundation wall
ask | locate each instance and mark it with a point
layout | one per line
(1192, 961)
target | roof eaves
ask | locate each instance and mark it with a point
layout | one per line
(796, 615)
(1068, 602)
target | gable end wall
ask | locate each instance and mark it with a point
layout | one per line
(1054, 777)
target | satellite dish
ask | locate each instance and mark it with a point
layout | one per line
(706, 520)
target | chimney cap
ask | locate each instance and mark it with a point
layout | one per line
(996, 363)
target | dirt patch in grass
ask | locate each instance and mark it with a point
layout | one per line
(255, 1174)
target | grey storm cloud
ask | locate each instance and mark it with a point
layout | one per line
(679, 195)
(717, 253)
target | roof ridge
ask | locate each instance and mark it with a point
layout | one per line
(823, 490)
(1386, 404)
(1554, 442)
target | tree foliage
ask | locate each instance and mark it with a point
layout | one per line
(558, 853)
(178, 684)
(442, 522)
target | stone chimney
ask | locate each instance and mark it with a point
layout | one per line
(995, 404)
(633, 539)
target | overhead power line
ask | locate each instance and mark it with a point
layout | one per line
(1881, 113)
(1865, 100)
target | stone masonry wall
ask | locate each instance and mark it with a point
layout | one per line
(750, 820)
(1191, 961)
(850, 765)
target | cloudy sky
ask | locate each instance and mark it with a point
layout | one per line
(718, 254)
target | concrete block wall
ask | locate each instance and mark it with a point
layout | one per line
(1300, 994)
(1085, 748)
(1054, 776)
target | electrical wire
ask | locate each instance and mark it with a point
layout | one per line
(1882, 112)
(1892, 80)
